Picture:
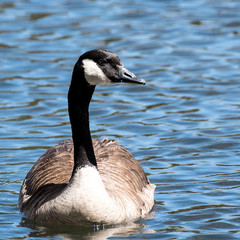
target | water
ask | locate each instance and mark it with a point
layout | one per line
(183, 126)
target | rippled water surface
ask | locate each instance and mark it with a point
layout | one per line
(183, 126)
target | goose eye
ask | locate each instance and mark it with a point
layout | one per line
(102, 61)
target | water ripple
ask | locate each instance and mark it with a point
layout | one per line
(183, 126)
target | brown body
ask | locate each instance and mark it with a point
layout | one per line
(121, 174)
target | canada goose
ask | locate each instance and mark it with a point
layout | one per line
(85, 180)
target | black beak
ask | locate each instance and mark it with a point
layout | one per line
(128, 77)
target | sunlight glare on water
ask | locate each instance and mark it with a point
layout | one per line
(182, 126)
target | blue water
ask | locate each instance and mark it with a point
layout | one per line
(183, 126)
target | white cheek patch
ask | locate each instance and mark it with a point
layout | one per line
(93, 73)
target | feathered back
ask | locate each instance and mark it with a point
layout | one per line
(121, 174)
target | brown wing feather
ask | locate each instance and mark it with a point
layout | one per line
(120, 173)
(53, 167)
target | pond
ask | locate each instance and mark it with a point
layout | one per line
(182, 126)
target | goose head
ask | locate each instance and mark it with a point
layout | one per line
(105, 67)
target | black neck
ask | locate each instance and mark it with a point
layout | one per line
(79, 97)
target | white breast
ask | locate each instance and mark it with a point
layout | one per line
(86, 199)
(88, 195)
